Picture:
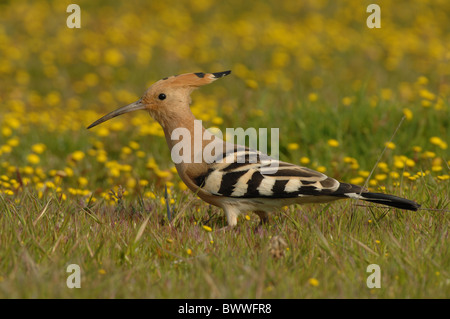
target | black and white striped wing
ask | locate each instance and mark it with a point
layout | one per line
(248, 174)
(251, 174)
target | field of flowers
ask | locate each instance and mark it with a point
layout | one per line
(336, 89)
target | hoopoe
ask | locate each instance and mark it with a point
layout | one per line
(237, 179)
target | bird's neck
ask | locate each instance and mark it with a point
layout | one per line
(187, 138)
(180, 126)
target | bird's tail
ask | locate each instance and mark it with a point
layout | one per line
(385, 199)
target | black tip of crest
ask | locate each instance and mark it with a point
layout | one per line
(221, 74)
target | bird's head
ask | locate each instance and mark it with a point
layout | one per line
(166, 97)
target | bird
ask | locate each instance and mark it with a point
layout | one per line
(236, 178)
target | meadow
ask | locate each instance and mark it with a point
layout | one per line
(365, 106)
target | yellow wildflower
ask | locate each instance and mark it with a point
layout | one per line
(312, 97)
(408, 114)
(313, 282)
(322, 169)
(6, 131)
(252, 84)
(357, 180)
(380, 177)
(390, 145)
(333, 143)
(347, 101)
(207, 228)
(77, 156)
(33, 159)
(113, 57)
(82, 181)
(304, 160)
(364, 173)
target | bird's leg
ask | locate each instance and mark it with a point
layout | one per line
(232, 213)
(263, 216)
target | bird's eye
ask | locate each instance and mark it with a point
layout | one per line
(162, 96)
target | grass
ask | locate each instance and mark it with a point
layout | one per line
(132, 251)
(336, 90)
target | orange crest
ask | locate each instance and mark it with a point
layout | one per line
(193, 80)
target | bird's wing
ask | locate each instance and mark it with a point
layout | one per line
(245, 173)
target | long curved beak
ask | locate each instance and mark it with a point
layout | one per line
(138, 105)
